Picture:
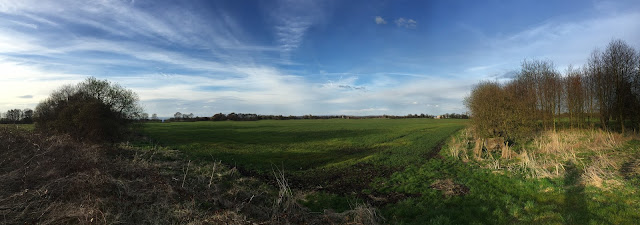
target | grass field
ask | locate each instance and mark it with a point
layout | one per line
(335, 154)
(21, 126)
(396, 166)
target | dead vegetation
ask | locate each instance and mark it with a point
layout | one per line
(449, 187)
(596, 152)
(56, 180)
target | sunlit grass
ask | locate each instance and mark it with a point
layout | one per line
(306, 144)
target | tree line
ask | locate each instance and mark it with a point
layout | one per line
(183, 117)
(17, 116)
(604, 93)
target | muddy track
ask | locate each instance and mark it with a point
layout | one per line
(435, 151)
(348, 181)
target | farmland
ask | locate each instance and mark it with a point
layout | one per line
(336, 155)
(407, 170)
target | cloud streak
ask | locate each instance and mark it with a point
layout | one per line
(406, 23)
(380, 20)
(178, 58)
(293, 19)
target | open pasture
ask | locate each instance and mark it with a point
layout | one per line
(330, 152)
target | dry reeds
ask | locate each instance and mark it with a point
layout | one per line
(459, 145)
(549, 153)
(600, 169)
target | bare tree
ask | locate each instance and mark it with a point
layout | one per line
(613, 73)
(575, 96)
(542, 78)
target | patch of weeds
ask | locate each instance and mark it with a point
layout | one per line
(320, 201)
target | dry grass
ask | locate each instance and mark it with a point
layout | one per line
(594, 149)
(602, 169)
(360, 214)
(56, 180)
(549, 153)
(449, 187)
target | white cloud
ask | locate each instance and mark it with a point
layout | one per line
(406, 23)
(293, 19)
(224, 79)
(568, 42)
(225, 73)
(366, 111)
(24, 86)
(380, 20)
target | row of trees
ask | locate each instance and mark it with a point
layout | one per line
(15, 116)
(254, 117)
(605, 90)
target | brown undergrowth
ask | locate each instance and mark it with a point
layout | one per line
(596, 152)
(56, 180)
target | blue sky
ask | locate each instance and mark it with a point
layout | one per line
(295, 57)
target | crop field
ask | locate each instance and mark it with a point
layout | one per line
(405, 169)
(337, 154)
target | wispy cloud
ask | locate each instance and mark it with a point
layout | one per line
(565, 42)
(406, 23)
(380, 20)
(293, 19)
(179, 59)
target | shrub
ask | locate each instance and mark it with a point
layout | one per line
(93, 110)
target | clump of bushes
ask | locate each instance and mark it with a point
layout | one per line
(93, 110)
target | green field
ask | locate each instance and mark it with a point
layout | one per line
(21, 126)
(312, 152)
(397, 166)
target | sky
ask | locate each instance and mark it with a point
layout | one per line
(297, 57)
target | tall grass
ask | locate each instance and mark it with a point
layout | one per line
(547, 155)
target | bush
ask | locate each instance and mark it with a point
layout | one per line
(94, 110)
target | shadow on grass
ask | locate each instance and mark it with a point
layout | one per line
(260, 137)
(575, 210)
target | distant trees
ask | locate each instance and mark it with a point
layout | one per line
(144, 116)
(27, 116)
(607, 88)
(177, 115)
(187, 116)
(447, 116)
(219, 117)
(93, 110)
(183, 117)
(15, 116)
